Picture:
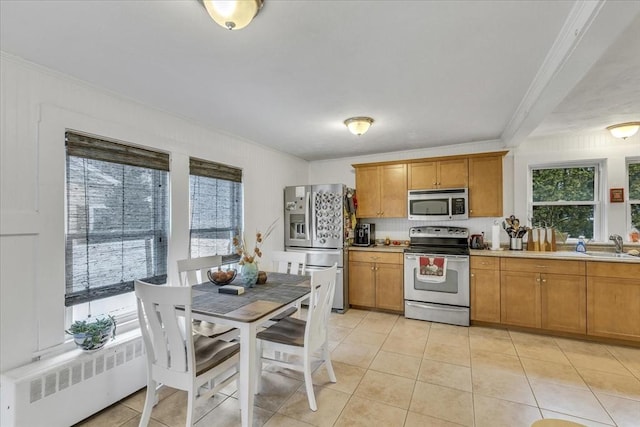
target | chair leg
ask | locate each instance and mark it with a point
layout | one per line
(191, 396)
(308, 384)
(149, 403)
(327, 362)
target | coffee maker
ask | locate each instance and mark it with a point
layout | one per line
(364, 235)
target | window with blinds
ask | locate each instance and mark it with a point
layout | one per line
(117, 217)
(216, 209)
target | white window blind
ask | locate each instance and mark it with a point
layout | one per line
(117, 217)
(216, 209)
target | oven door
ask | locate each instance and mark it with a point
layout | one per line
(454, 290)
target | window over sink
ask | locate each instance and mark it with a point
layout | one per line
(568, 198)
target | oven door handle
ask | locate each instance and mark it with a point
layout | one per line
(454, 258)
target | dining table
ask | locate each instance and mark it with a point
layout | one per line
(247, 312)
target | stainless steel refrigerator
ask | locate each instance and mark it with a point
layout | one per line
(315, 223)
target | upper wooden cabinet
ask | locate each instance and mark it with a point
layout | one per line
(382, 187)
(451, 173)
(382, 191)
(485, 186)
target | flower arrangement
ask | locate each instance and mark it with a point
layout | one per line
(242, 249)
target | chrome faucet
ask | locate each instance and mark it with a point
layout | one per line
(617, 239)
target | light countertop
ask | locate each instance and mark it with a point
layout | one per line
(560, 255)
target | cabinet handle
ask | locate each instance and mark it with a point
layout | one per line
(470, 210)
(377, 268)
(372, 268)
(538, 280)
(473, 275)
(544, 280)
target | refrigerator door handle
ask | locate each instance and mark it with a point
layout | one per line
(313, 215)
(307, 232)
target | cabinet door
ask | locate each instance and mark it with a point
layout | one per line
(485, 186)
(368, 192)
(362, 284)
(485, 295)
(520, 298)
(423, 175)
(389, 290)
(613, 307)
(393, 191)
(564, 303)
(453, 173)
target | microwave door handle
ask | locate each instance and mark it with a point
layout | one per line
(450, 207)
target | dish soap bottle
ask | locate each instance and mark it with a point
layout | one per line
(581, 246)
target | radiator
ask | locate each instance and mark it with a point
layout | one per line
(69, 388)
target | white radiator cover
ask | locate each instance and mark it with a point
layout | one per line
(69, 388)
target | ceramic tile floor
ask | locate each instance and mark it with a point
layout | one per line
(394, 371)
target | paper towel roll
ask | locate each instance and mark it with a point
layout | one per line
(495, 237)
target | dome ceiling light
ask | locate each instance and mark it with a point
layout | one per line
(233, 14)
(624, 130)
(358, 125)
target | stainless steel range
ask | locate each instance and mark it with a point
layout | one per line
(436, 275)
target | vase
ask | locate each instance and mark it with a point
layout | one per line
(249, 274)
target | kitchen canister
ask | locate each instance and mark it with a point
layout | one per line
(515, 243)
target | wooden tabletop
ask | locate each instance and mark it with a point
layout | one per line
(259, 301)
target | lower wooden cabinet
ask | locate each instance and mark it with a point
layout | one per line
(613, 300)
(375, 280)
(485, 289)
(541, 293)
(563, 300)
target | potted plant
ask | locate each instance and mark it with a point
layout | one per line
(93, 335)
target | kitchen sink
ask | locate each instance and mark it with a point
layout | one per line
(610, 255)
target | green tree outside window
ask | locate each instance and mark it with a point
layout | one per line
(565, 198)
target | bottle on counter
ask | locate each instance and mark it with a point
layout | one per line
(581, 246)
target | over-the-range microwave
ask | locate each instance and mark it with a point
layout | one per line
(445, 204)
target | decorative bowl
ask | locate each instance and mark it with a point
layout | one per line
(220, 277)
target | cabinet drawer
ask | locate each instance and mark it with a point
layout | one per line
(613, 269)
(379, 257)
(536, 265)
(485, 263)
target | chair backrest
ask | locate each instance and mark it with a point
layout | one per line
(194, 270)
(166, 331)
(289, 262)
(323, 285)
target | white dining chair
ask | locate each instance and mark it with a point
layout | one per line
(302, 338)
(290, 263)
(193, 271)
(175, 357)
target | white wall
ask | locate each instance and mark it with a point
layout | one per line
(37, 105)
(599, 146)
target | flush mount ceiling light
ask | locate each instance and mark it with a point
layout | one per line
(624, 130)
(358, 125)
(233, 14)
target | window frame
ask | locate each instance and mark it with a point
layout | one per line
(629, 201)
(206, 169)
(124, 310)
(598, 211)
